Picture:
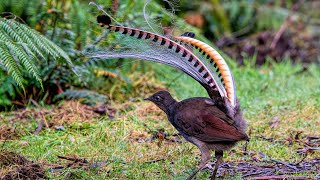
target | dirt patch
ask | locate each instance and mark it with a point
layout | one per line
(8, 158)
(7, 132)
(137, 136)
(291, 44)
(64, 114)
(150, 109)
(15, 166)
(146, 111)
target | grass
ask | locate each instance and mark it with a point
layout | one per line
(280, 102)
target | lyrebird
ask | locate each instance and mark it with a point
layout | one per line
(214, 123)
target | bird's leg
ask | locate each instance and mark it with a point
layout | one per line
(218, 155)
(205, 158)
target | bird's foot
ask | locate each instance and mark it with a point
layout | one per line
(200, 167)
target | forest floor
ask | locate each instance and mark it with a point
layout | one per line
(134, 140)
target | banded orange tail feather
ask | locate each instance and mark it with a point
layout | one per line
(217, 61)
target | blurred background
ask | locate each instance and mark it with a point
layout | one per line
(247, 31)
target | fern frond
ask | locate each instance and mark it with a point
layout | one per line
(7, 59)
(17, 34)
(24, 59)
(4, 36)
(23, 49)
(45, 44)
(57, 50)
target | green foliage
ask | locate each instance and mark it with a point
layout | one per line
(26, 10)
(270, 17)
(22, 49)
(7, 89)
(241, 14)
(220, 17)
(236, 18)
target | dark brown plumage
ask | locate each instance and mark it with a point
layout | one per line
(207, 123)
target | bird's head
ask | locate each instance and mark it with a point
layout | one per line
(162, 99)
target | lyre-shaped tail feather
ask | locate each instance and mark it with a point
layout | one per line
(217, 61)
(166, 51)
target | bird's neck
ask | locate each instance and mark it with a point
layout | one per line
(169, 106)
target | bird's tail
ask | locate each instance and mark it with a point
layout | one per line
(206, 65)
(218, 63)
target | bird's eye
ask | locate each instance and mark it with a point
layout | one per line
(157, 98)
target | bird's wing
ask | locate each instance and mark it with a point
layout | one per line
(136, 43)
(207, 123)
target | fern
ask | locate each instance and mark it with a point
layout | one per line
(23, 49)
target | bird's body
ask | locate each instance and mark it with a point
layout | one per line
(197, 117)
(203, 122)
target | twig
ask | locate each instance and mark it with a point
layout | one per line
(284, 26)
(279, 33)
(41, 122)
(304, 157)
(35, 103)
(307, 149)
(282, 177)
(61, 168)
(254, 173)
(286, 164)
(73, 159)
(313, 137)
(40, 125)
